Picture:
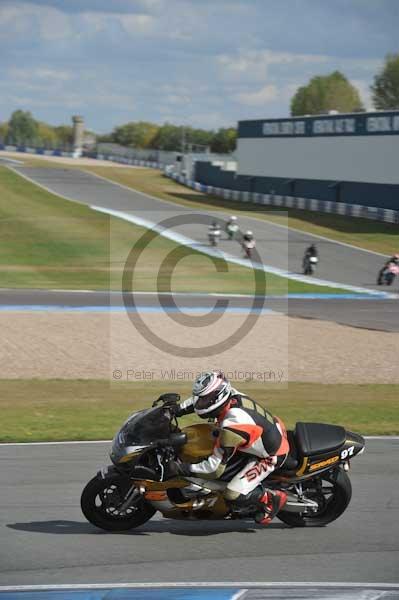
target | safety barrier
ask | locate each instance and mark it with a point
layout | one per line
(339, 208)
(31, 150)
(94, 155)
(129, 161)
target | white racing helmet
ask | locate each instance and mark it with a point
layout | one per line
(211, 391)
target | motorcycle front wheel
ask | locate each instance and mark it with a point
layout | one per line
(101, 503)
(332, 491)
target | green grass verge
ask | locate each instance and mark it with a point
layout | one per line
(48, 242)
(46, 410)
(371, 235)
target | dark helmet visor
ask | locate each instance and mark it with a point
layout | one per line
(207, 401)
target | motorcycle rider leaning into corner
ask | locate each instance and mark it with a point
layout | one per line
(246, 429)
(311, 251)
(394, 259)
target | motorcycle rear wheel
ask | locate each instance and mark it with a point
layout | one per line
(339, 488)
(99, 504)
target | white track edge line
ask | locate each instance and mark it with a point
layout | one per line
(210, 584)
(16, 162)
(239, 594)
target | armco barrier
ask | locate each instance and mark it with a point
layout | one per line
(350, 210)
(111, 158)
(128, 161)
(29, 150)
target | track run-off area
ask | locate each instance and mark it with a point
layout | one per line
(46, 540)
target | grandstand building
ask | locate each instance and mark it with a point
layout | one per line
(349, 158)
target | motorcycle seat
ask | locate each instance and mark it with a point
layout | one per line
(318, 438)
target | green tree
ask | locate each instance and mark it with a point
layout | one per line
(324, 93)
(22, 129)
(385, 90)
(64, 134)
(47, 136)
(168, 137)
(198, 137)
(224, 140)
(3, 132)
(171, 137)
(135, 135)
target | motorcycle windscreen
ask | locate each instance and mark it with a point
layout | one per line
(140, 429)
(145, 427)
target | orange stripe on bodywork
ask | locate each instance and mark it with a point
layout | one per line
(254, 432)
(156, 495)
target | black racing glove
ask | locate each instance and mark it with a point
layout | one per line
(176, 468)
(169, 400)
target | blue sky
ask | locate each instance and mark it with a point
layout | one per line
(205, 63)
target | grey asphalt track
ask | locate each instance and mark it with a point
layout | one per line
(45, 539)
(382, 315)
(277, 246)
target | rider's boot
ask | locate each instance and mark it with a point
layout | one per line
(270, 504)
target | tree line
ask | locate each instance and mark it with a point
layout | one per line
(23, 130)
(320, 95)
(335, 92)
(148, 135)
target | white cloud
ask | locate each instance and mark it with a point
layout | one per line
(100, 22)
(266, 94)
(31, 20)
(176, 99)
(365, 93)
(255, 63)
(137, 23)
(40, 73)
(206, 120)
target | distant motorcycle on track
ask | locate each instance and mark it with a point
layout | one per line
(309, 265)
(232, 228)
(248, 244)
(388, 274)
(214, 234)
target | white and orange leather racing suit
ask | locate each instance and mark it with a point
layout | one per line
(245, 429)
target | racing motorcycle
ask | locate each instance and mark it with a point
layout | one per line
(248, 247)
(309, 265)
(387, 274)
(214, 235)
(232, 230)
(129, 492)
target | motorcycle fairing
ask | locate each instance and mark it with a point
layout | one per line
(200, 442)
(351, 445)
(140, 429)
